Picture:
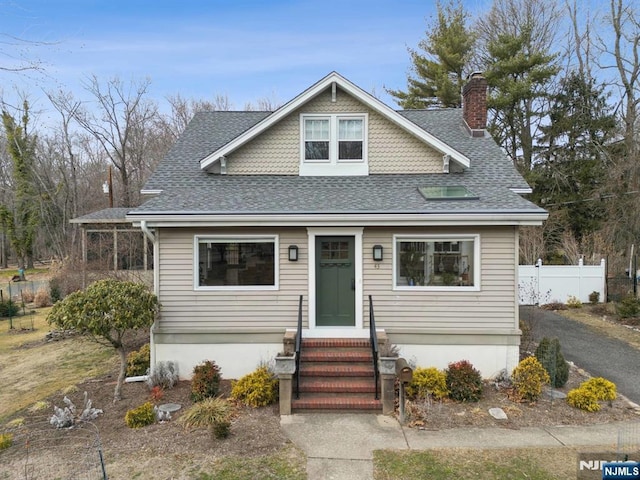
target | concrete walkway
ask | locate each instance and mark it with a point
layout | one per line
(340, 446)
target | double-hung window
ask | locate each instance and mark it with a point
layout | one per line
(334, 143)
(437, 262)
(236, 263)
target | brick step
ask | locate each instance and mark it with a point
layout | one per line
(336, 403)
(328, 370)
(335, 355)
(343, 385)
(335, 343)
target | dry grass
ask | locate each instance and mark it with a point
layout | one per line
(31, 369)
(604, 325)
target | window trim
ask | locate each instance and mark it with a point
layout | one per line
(236, 239)
(334, 120)
(439, 238)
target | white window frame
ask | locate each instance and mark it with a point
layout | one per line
(475, 238)
(335, 166)
(236, 239)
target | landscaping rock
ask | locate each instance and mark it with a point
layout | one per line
(556, 394)
(498, 414)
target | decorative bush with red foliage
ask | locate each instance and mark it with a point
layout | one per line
(205, 382)
(464, 382)
(157, 393)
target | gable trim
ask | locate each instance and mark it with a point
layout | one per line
(355, 91)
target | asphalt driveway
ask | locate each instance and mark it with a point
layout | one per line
(599, 355)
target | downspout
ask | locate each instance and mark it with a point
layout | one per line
(156, 277)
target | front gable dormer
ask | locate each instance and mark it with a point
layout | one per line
(334, 128)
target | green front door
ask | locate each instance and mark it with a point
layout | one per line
(335, 282)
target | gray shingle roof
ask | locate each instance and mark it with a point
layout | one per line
(187, 189)
(108, 215)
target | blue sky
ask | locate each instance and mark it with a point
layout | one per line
(243, 49)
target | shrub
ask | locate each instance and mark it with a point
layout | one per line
(141, 416)
(528, 378)
(601, 388)
(8, 308)
(205, 382)
(6, 440)
(256, 389)
(156, 394)
(214, 413)
(583, 399)
(28, 295)
(164, 375)
(628, 307)
(55, 289)
(549, 355)
(68, 416)
(463, 382)
(138, 362)
(574, 302)
(594, 297)
(42, 299)
(428, 381)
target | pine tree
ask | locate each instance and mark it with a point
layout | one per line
(439, 73)
(572, 167)
(518, 76)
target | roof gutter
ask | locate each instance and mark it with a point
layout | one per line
(145, 229)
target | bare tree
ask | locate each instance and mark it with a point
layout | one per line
(119, 124)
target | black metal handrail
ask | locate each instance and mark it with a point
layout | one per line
(298, 347)
(373, 336)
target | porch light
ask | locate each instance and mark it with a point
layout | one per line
(377, 253)
(293, 253)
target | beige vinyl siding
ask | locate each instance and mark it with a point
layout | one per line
(277, 150)
(491, 308)
(187, 310)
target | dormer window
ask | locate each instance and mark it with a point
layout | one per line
(334, 144)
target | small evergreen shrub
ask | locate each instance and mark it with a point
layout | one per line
(55, 289)
(6, 440)
(256, 389)
(138, 361)
(213, 413)
(549, 355)
(594, 297)
(602, 388)
(528, 378)
(583, 399)
(574, 302)
(205, 382)
(628, 307)
(8, 308)
(69, 415)
(428, 381)
(42, 299)
(463, 382)
(164, 375)
(141, 416)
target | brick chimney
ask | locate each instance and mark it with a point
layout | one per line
(474, 104)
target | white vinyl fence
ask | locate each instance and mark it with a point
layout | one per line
(540, 284)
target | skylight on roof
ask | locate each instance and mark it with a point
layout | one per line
(447, 192)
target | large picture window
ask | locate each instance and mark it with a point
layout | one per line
(436, 262)
(236, 263)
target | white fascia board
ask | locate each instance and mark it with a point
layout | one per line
(169, 220)
(521, 190)
(355, 91)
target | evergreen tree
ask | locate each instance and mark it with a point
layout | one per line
(572, 167)
(518, 76)
(21, 222)
(439, 73)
